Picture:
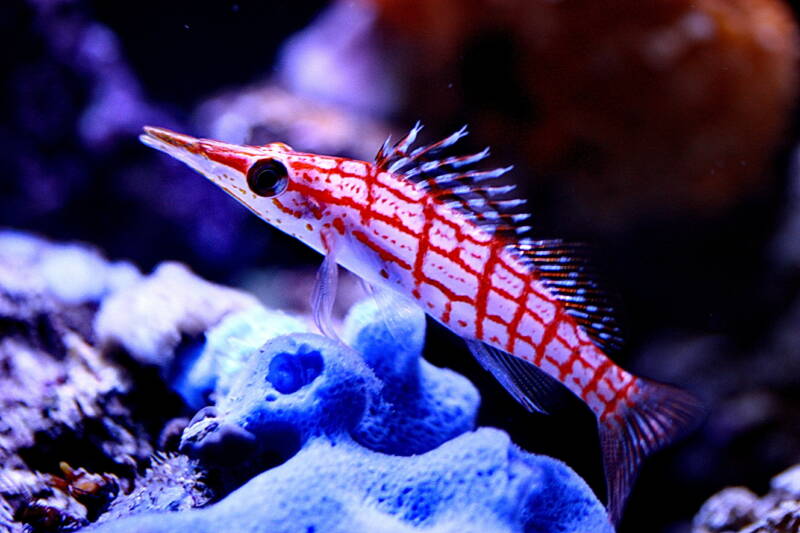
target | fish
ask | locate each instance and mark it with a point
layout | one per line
(445, 233)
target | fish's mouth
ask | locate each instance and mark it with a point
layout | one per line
(214, 160)
(204, 155)
(160, 137)
(184, 148)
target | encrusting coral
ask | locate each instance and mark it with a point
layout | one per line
(378, 440)
(738, 510)
(476, 482)
(421, 406)
(148, 321)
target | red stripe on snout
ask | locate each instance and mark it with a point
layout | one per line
(227, 157)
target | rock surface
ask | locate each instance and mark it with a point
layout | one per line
(306, 400)
(477, 482)
(62, 402)
(738, 510)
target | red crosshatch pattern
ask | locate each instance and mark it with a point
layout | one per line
(459, 273)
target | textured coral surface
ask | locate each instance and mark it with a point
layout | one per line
(739, 510)
(477, 482)
(327, 409)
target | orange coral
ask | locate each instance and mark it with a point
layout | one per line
(642, 107)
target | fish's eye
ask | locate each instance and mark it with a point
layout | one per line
(268, 177)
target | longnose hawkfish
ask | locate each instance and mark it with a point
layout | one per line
(436, 229)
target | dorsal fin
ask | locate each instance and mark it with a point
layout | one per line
(566, 270)
(455, 181)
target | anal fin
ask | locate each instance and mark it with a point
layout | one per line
(528, 384)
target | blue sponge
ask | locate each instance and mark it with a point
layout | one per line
(371, 438)
(226, 348)
(421, 406)
(413, 406)
(477, 482)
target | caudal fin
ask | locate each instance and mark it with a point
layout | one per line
(658, 415)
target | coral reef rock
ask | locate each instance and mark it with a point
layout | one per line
(149, 320)
(308, 398)
(172, 483)
(61, 401)
(738, 510)
(477, 482)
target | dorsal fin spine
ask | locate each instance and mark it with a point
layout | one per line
(384, 151)
(490, 190)
(444, 143)
(565, 269)
(454, 162)
(480, 175)
(397, 165)
(406, 142)
(509, 204)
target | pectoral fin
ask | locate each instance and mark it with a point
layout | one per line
(324, 295)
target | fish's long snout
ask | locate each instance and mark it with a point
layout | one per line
(203, 155)
(182, 147)
(158, 137)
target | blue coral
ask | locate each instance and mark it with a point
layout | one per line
(477, 482)
(225, 349)
(372, 438)
(421, 406)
